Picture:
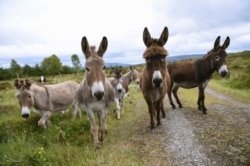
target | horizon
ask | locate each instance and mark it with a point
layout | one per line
(66, 60)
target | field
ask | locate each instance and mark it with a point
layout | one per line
(129, 141)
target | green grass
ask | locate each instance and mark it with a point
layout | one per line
(65, 142)
(237, 84)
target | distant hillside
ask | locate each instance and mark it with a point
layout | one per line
(169, 59)
(117, 64)
(182, 57)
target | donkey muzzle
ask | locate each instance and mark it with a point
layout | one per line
(25, 115)
(223, 71)
(157, 82)
(119, 90)
(25, 112)
(99, 95)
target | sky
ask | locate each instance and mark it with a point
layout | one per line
(31, 30)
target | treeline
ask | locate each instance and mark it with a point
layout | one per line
(50, 66)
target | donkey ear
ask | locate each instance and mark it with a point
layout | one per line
(17, 84)
(146, 37)
(27, 84)
(217, 43)
(131, 67)
(103, 46)
(85, 47)
(226, 43)
(120, 69)
(164, 37)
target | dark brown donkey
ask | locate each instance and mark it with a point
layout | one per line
(197, 73)
(155, 79)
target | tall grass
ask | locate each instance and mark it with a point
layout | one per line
(237, 84)
(65, 142)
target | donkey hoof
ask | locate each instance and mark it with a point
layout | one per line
(204, 111)
(152, 127)
(159, 123)
(199, 108)
(97, 146)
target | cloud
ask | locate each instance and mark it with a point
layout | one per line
(40, 28)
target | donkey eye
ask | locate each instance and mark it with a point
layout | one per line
(104, 67)
(148, 60)
(87, 69)
(216, 58)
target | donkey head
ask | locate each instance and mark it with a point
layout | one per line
(117, 82)
(218, 56)
(155, 56)
(24, 96)
(117, 72)
(134, 74)
(95, 65)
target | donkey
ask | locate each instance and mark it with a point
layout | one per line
(121, 84)
(45, 99)
(155, 79)
(197, 73)
(95, 92)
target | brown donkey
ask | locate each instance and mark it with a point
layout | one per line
(197, 73)
(155, 79)
(95, 92)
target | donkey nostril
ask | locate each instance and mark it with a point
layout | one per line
(25, 115)
(99, 95)
(223, 73)
(157, 82)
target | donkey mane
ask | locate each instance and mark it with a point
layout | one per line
(154, 51)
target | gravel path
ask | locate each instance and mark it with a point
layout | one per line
(187, 151)
(185, 127)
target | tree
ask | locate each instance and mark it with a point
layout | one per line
(15, 67)
(76, 62)
(51, 65)
(27, 70)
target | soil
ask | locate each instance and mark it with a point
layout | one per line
(188, 137)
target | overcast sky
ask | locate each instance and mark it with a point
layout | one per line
(31, 30)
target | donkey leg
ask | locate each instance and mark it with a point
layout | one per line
(118, 113)
(175, 89)
(122, 103)
(93, 128)
(103, 125)
(162, 110)
(158, 111)
(170, 96)
(170, 100)
(44, 121)
(201, 105)
(77, 111)
(151, 110)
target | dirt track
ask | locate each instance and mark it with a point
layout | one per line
(187, 137)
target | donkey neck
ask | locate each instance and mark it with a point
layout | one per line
(39, 92)
(127, 77)
(205, 68)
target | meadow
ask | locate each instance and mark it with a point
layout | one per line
(68, 142)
